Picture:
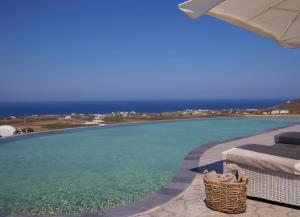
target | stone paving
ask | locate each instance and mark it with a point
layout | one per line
(190, 203)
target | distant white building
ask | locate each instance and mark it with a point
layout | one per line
(187, 111)
(252, 110)
(200, 111)
(275, 112)
(68, 117)
(98, 116)
(124, 114)
(98, 121)
(284, 112)
(94, 122)
(7, 130)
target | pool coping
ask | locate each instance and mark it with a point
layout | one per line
(115, 125)
(106, 126)
(178, 184)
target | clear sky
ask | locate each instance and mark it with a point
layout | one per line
(133, 49)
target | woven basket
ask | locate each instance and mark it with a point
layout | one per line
(226, 197)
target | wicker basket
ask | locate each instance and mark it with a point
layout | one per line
(226, 197)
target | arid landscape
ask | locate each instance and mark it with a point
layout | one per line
(38, 123)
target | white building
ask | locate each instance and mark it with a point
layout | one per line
(124, 114)
(98, 116)
(284, 112)
(187, 111)
(200, 111)
(252, 110)
(275, 112)
(7, 130)
(94, 122)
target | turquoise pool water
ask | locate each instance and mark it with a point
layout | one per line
(95, 168)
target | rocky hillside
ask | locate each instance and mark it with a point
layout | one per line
(292, 106)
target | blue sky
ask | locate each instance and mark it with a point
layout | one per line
(128, 50)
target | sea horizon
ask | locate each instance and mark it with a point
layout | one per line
(146, 106)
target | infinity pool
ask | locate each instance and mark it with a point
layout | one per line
(91, 169)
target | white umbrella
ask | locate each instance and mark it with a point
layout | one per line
(7, 130)
(275, 19)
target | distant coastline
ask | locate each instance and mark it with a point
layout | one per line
(62, 129)
(45, 123)
(146, 106)
(37, 122)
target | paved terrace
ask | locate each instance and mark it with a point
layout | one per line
(191, 203)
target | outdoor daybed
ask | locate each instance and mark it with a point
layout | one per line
(274, 171)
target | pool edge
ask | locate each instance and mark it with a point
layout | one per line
(134, 123)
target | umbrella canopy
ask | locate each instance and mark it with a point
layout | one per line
(7, 130)
(275, 19)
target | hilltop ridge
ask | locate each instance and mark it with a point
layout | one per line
(293, 106)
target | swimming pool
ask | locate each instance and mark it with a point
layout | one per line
(84, 170)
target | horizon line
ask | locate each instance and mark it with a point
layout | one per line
(146, 100)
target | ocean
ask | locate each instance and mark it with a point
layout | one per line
(43, 108)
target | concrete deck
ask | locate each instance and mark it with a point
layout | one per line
(191, 203)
